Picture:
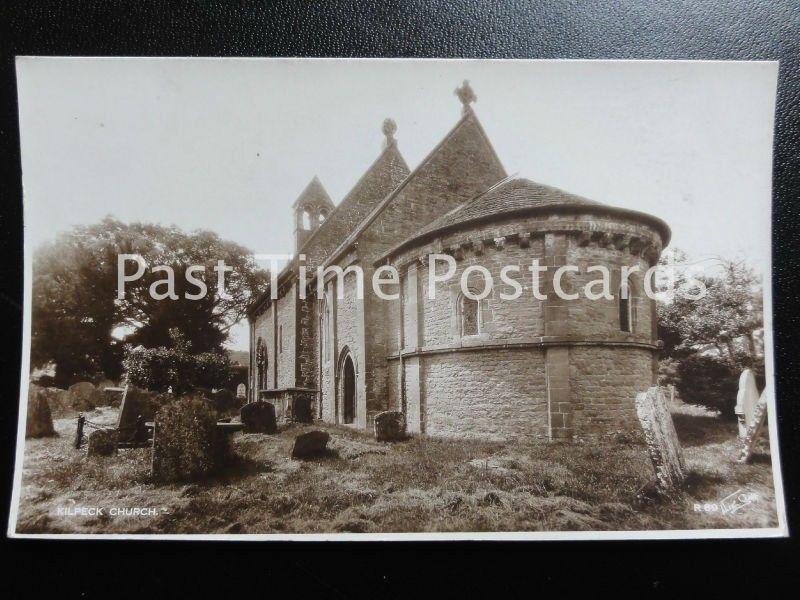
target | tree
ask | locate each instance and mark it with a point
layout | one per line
(74, 310)
(75, 307)
(708, 341)
(175, 367)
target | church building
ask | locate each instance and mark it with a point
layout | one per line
(549, 368)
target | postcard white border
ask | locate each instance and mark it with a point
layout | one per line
(780, 502)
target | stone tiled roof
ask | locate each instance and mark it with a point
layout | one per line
(314, 194)
(514, 197)
(509, 196)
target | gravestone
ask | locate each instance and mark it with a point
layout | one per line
(301, 409)
(39, 422)
(259, 417)
(186, 444)
(135, 403)
(112, 396)
(84, 396)
(390, 426)
(241, 390)
(102, 442)
(311, 444)
(662, 442)
(757, 419)
(746, 400)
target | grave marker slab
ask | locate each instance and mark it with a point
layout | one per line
(84, 396)
(746, 400)
(758, 418)
(662, 442)
(39, 422)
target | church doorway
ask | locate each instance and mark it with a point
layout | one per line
(348, 390)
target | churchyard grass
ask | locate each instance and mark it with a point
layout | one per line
(422, 484)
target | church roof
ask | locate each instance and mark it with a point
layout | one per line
(468, 119)
(516, 197)
(382, 176)
(313, 195)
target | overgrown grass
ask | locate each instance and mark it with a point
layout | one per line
(423, 484)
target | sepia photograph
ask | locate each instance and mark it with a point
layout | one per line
(397, 299)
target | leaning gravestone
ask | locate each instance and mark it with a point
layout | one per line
(259, 417)
(39, 422)
(310, 444)
(757, 419)
(135, 403)
(746, 400)
(390, 426)
(102, 442)
(186, 443)
(661, 439)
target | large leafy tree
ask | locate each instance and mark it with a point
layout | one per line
(76, 310)
(708, 341)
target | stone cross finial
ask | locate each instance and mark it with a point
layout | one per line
(389, 128)
(466, 95)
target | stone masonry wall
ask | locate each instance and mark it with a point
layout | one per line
(286, 342)
(496, 394)
(604, 382)
(264, 329)
(587, 370)
(462, 166)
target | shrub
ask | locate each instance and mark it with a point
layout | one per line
(175, 367)
(187, 444)
(713, 382)
(225, 401)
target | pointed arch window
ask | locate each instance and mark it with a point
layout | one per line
(261, 365)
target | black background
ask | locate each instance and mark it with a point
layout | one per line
(647, 29)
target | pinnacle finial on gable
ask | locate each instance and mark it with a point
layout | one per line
(466, 95)
(389, 128)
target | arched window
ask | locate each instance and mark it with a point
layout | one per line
(323, 214)
(306, 220)
(261, 365)
(470, 312)
(324, 333)
(627, 313)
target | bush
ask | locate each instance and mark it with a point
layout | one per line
(187, 444)
(225, 401)
(175, 367)
(713, 382)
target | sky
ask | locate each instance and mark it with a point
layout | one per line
(228, 144)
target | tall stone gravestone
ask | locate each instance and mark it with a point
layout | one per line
(662, 442)
(39, 422)
(746, 400)
(758, 417)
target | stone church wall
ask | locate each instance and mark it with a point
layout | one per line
(604, 382)
(496, 394)
(286, 339)
(582, 372)
(264, 329)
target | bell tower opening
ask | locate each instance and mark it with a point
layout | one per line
(311, 208)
